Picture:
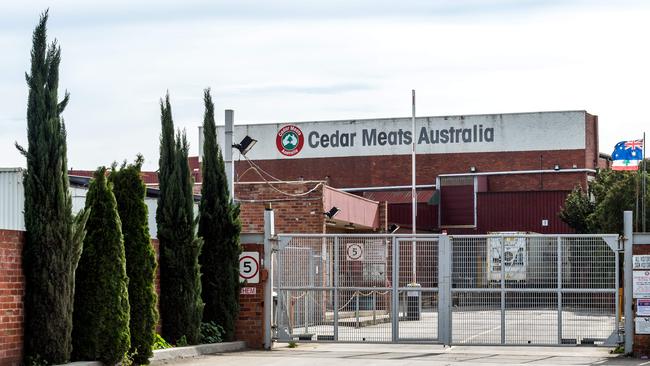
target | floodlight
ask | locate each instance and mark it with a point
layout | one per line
(332, 212)
(245, 145)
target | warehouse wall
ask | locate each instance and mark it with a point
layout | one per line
(391, 170)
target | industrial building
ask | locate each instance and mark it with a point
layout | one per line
(475, 173)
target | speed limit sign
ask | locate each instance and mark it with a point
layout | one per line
(354, 251)
(249, 267)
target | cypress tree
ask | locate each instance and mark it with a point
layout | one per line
(130, 190)
(181, 307)
(101, 307)
(219, 227)
(53, 235)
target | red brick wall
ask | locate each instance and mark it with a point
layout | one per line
(11, 297)
(591, 142)
(388, 170)
(536, 182)
(250, 325)
(302, 214)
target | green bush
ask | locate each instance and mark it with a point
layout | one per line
(101, 307)
(211, 333)
(160, 342)
(219, 227)
(181, 307)
(130, 192)
(54, 236)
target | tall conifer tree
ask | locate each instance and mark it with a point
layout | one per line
(101, 307)
(219, 227)
(181, 307)
(53, 235)
(130, 193)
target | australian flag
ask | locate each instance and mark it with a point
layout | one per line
(627, 155)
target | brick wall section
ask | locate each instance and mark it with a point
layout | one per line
(591, 141)
(641, 341)
(389, 170)
(11, 297)
(302, 214)
(250, 325)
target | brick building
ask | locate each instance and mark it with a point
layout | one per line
(475, 173)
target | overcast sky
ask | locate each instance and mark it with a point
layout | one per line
(279, 61)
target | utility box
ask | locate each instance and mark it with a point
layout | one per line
(413, 302)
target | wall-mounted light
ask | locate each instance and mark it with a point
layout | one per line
(245, 145)
(472, 169)
(556, 167)
(332, 212)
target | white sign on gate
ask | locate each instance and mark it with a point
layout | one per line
(354, 251)
(641, 284)
(641, 261)
(249, 267)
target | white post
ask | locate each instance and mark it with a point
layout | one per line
(627, 281)
(227, 153)
(269, 234)
(414, 197)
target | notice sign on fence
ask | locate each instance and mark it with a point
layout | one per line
(641, 262)
(641, 284)
(643, 307)
(642, 325)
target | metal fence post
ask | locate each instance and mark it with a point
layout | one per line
(559, 290)
(395, 276)
(503, 290)
(335, 316)
(269, 235)
(444, 289)
(627, 281)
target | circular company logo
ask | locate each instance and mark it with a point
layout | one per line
(289, 140)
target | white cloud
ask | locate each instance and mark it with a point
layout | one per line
(319, 62)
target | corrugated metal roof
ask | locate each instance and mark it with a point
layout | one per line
(398, 196)
(12, 199)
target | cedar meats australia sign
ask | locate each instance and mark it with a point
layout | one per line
(538, 131)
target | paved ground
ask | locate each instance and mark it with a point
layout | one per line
(391, 354)
(530, 326)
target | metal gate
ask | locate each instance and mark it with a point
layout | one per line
(476, 289)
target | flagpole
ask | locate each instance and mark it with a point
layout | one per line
(414, 197)
(643, 176)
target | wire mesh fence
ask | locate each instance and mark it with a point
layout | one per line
(504, 289)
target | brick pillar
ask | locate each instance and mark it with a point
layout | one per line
(12, 287)
(250, 325)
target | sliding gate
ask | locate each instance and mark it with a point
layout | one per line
(491, 289)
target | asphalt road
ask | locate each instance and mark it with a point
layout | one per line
(400, 354)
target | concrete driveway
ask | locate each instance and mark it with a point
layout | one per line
(392, 354)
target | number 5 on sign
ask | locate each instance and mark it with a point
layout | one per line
(249, 267)
(354, 252)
